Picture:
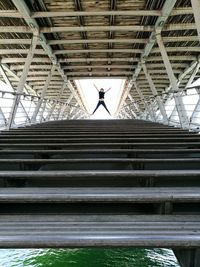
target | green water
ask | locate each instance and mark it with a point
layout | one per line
(87, 258)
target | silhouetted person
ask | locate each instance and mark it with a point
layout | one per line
(101, 99)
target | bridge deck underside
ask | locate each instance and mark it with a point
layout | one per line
(97, 39)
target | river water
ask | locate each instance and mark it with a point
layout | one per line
(87, 258)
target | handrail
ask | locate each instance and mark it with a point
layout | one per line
(193, 124)
(50, 109)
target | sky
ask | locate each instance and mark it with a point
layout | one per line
(91, 96)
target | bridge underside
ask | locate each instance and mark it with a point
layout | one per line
(45, 46)
(74, 182)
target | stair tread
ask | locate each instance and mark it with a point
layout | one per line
(179, 194)
(99, 230)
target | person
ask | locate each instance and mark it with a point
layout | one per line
(101, 99)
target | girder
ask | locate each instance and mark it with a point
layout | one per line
(108, 41)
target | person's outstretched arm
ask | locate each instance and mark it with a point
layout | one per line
(96, 87)
(108, 90)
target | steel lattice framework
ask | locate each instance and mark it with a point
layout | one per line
(154, 44)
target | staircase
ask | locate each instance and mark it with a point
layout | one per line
(101, 183)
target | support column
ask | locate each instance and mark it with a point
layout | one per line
(151, 113)
(33, 119)
(22, 80)
(184, 122)
(188, 257)
(155, 94)
(196, 11)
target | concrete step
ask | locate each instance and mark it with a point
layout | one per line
(106, 140)
(47, 231)
(100, 163)
(100, 195)
(99, 153)
(98, 144)
(101, 178)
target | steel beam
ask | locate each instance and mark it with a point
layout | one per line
(106, 73)
(196, 11)
(3, 117)
(131, 28)
(37, 108)
(16, 78)
(178, 100)
(88, 60)
(32, 67)
(14, 60)
(62, 109)
(193, 75)
(24, 110)
(5, 77)
(179, 27)
(166, 10)
(134, 103)
(80, 51)
(33, 26)
(180, 49)
(148, 109)
(99, 67)
(141, 28)
(21, 51)
(105, 40)
(130, 111)
(22, 80)
(56, 101)
(155, 94)
(196, 110)
(42, 110)
(96, 41)
(48, 14)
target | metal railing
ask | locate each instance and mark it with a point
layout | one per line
(49, 110)
(190, 98)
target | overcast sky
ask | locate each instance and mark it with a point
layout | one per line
(90, 95)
